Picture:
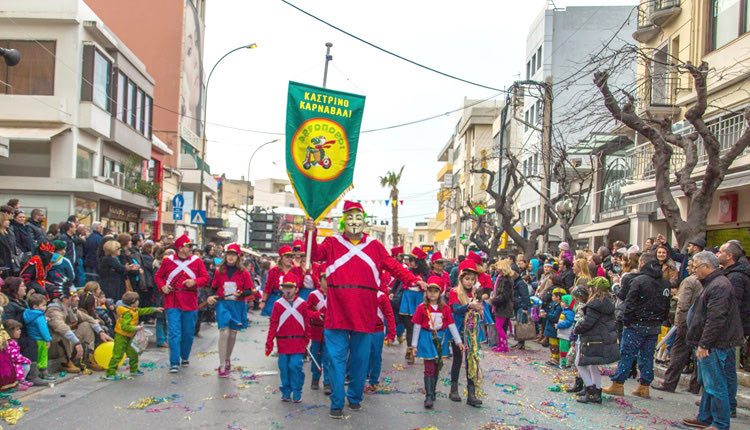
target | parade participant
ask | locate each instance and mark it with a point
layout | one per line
(290, 328)
(125, 328)
(179, 277)
(461, 301)
(385, 320)
(272, 288)
(487, 286)
(34, 273)
(412, 296)
(310, 275)
(317, 301)
(353, 263)
(432, 322)
(437, 263)
(232, 284)
(396, 293)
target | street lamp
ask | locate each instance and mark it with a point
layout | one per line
(11, 56)
(247, 190)
(203, 125)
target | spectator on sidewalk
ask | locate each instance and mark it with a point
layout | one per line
(737, 270)
(24, 237)
(680, 352)
(646, 309)
(715, 328)
(567, 275)
(91, 248)
(36, 229)
(695, 246)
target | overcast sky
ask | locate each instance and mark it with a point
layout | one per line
(478, 40)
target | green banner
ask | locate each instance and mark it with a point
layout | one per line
(322, 133)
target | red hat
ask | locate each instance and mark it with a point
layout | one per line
(289, 278)
(436, 257)
(418, 253)
(396, 251)
(234, 248)
(434, 282)
(298, 245)
(467, 265)
(473, 256)
(181, 241)
(350, 206)
(286, 249)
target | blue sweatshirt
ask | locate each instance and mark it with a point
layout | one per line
(36, 325)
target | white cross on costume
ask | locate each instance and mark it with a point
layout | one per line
(355, 250)
(291, 311)
(321, 299)
(380, 312)
(182, 266)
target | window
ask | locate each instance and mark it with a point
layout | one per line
(526, 120)
(539, 58)
(122, 84)
(84, 163)
(147, 117)
(101, 80)
(533, 214)
(528, 70)
(139, 111)
(533, 64)
(729, 20)
(35, 74)
(110, 167)
(131, 103)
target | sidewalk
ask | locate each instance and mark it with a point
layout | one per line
(743, 384)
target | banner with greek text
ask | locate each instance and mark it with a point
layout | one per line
(322, 133)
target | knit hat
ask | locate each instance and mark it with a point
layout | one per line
(567, 299)
(600, 283)
(564, 246)
(59, 245)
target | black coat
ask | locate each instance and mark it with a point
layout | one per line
(520, 295)
(24, 238)
(568, 278)
(37, 233)
(7, 252)
(714, 319)
(112, 276)
(598, 334)
(647, 300)
(90, 250)
(14, 310)
(70, 248)
(739, 275)
(503, 297)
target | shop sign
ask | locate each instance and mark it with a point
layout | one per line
(110, 210)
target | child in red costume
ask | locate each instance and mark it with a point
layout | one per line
(317, 301)
(385, 319)
(276, 276)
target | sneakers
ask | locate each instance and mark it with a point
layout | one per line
(184, 363)
(110, 377)
(174, 369)
(355, 406)
(336, 414)
(298, 401)
(47, 377)
(136, 373)
(286, 399)
(21, 386)
(28, 384)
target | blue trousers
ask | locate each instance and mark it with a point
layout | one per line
(292, 376)
(355, 346)
(376, 358)
(400, 328)
(320, 353)
(638, 343)
(716, 372)
(181, 329)
(161, 331)
(80, 274)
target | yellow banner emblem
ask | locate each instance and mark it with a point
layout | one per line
(320, 149)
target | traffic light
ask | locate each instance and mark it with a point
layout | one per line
(262, 231)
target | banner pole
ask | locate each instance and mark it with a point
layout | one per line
(309, 249)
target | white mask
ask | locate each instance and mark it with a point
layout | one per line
(354, 223)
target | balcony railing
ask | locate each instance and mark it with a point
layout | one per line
(651, 15)
(659, 90)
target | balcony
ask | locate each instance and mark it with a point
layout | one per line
(652, 15)
(656, 95)
(663, 10)
(447, 168)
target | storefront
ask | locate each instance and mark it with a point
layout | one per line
(119, 218)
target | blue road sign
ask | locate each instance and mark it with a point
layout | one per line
(197, 217)
(177, 214)
(178, 202)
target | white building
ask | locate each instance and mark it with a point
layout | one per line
(76, 114)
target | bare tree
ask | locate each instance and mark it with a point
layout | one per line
(698, 189)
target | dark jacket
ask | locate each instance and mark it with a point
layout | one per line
(520, 295)
(147, 264)
(598, 334)
(568, 278)
(739, 275)
(503, 297)
(90, 250)
(14, 310)
(647, 301)
(621, 292)
(37, 233)
(552, 316)
(70, 247)
(714, 320)
(607, 265)
(112, 276)
(24, 239)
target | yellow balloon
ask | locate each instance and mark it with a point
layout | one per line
(103, 354)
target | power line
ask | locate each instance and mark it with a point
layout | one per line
(392, 53)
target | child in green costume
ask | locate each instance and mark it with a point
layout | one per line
(125, 329)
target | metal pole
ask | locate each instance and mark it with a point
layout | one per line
(247, 190)
(203, 130)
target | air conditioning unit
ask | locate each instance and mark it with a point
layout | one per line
(119, 179)
(104, 179)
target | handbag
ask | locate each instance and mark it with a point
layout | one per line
(524, 328)
(491, 334)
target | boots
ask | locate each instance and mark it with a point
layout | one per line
(429, 391)
(641, 391)
(577, 387)
(593, 395)
(33, 375)
(70, 367)
(409, 355)
(454, 396)
(471, 397)
(616, 389)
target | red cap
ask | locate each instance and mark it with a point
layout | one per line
(436, 256)
(298, 245)
(434, 282)
(350, 206)
(286, 249)
(473, 256)
(467, 265)
(396, 251)
(289, 278)
(234, 248)
(418, 253)
(181, 241)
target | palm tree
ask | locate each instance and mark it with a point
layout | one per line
(391, 179)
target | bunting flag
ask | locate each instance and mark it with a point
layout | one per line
(322, 134)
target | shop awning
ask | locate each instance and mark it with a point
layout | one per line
(442, 235)
(600, 228)
(32, 133)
